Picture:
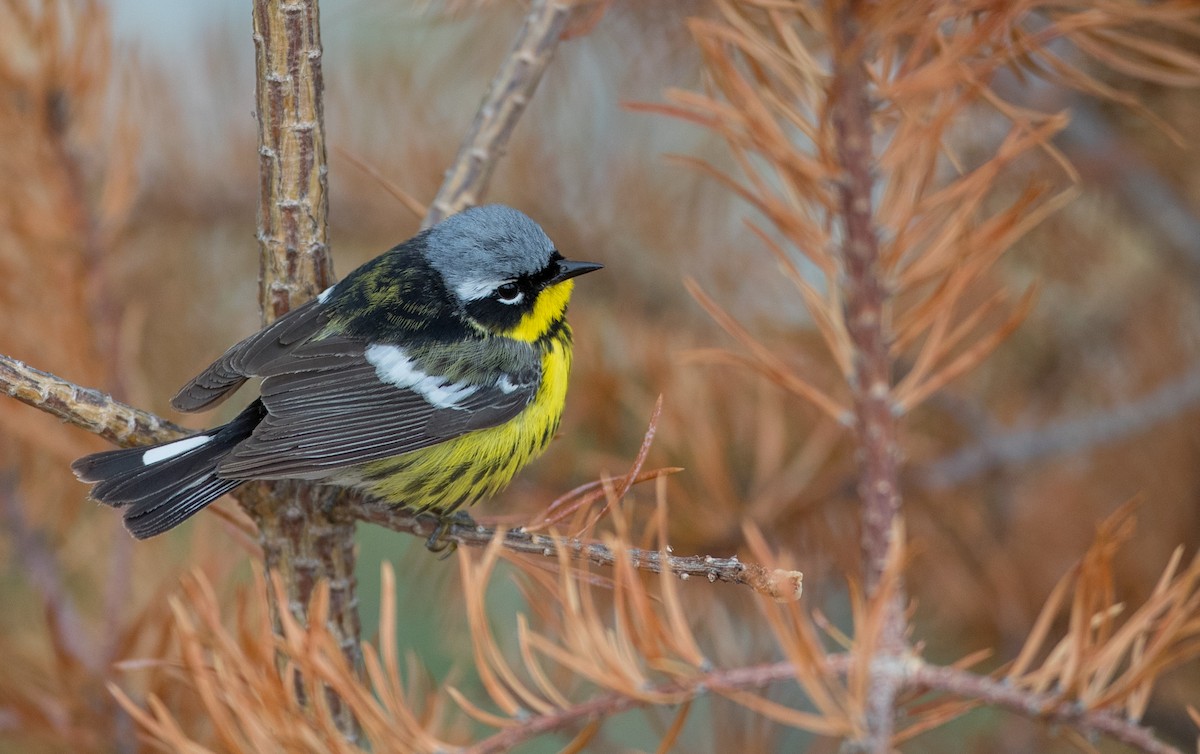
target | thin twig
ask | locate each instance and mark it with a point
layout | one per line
(1047, 707)
(779, 584)
(604, 707)
(910, 674)
(866, 297)
(552, 518)
(407, 200)
(69, 633)
(467, 179)
(1066, 436)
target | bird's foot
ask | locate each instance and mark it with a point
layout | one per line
(437, 543)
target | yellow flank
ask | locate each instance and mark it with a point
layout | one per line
(478, 464)
(548, 309)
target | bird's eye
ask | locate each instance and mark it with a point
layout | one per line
(509, 293)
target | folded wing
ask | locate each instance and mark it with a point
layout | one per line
(339, 402)
(244, 359)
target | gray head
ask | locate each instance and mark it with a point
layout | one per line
(496, 262)
(481, 248)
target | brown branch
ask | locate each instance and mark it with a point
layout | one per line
(1065, 436)
(913, 674)
(779, 584)
(84, 407)
(510, 91)
(866, 299)
(1049, 708)
(301, 540)
(604, 707)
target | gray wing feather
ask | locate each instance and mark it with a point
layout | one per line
(327, 409)
(244, 359)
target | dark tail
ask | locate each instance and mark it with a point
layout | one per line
(160, 486)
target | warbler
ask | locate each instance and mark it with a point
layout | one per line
(427, 377)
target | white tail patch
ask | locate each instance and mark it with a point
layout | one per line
(393, 366)
(170, 450)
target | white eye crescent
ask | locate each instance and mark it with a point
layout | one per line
(509, 293)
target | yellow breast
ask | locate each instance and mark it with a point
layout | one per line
(478, 464)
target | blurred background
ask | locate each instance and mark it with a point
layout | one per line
(128, 261)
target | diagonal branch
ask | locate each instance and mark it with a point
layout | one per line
(914, 675)
(84, 407)
(1047, 707)
(511, 89)
(997, 449)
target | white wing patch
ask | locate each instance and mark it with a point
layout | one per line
(506, 385)
(393, 366)
(170, 450)
(324, 295)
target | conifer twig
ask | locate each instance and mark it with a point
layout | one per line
(866, 296)
(607, 705)
(913, 675)
(510, 91)
(866, 317)
(779, 584)
(1046, 707)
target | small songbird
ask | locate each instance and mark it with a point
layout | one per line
(427, 378)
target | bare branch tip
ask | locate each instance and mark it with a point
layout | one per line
(781, 585)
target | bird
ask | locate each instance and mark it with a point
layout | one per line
(426, 378)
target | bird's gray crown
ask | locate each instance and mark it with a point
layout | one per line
(480, 248)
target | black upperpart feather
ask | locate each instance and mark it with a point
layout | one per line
(160, 495)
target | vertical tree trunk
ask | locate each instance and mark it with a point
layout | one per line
(302, 537)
